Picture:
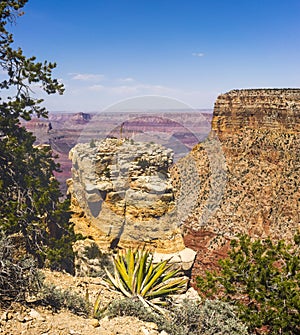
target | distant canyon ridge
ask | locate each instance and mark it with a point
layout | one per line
(179, 130)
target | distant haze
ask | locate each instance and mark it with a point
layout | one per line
(176, 129)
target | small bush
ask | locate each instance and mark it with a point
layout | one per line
(129, 307)
(219, 318)
(186, 317)
(18, 276)
(92, 143)
(180, 320)
(134, 307)
(58, 299)
(143, 163)
(90, 261)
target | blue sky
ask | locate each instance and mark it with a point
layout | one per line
(193, 50)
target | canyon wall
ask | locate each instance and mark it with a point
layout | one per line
(269, 109)
(258, 190)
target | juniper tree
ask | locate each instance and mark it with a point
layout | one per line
(29, 194)
(262, 278)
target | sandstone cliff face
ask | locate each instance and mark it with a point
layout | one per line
(122, 191)
(260, 187)
(270, 109)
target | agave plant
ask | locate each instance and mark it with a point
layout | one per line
(135, 275)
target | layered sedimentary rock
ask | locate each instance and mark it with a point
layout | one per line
(255, 188)
(263, 109)
(122, 194)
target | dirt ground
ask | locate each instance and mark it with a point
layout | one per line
(31, 319)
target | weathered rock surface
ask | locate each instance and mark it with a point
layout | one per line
(182, 259)
(122, 194)
(263, 109)
(257, 188)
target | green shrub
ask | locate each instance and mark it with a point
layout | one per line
(92, 143)
(129, 307)
(143, 163)
(188, 318)
(219, 318)
(58, 299)
(262, 278)
(185, 318)
(180, 320)
(88, 251)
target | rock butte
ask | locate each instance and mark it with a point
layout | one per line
(122, 194)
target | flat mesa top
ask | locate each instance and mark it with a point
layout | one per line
(263, 91)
